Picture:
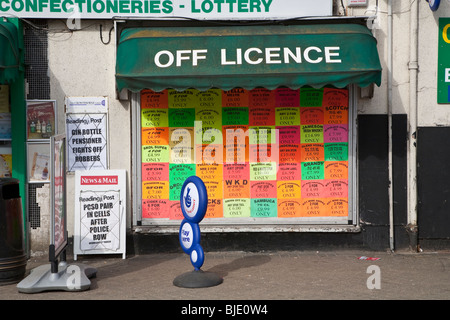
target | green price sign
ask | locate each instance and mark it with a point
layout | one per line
(443, 93)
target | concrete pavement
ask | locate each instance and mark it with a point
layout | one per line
(277, 275)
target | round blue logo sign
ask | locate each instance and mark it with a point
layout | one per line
(194, 203)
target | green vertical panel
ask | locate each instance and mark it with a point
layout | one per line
(18, 125)
(443, 94)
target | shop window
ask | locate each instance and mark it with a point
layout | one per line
(264, 155)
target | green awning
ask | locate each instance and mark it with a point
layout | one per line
(9, 52)
(247, 57)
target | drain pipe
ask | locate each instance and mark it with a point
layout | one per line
(412, 146)
(389, 111)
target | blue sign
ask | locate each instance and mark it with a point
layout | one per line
(194, 203)
(434, 4)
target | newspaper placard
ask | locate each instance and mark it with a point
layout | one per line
(100, 206)
(86, 130)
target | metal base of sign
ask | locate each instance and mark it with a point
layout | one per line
(197, 279)
(73, 277)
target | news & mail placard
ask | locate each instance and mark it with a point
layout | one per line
(100, 207)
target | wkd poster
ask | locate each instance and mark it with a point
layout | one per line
(100, 206)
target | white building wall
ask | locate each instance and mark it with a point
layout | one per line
(430, 113)
(81, 65)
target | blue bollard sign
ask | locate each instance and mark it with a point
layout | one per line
(194, 203)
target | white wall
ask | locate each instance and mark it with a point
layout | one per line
(81, 65)
(430, 113)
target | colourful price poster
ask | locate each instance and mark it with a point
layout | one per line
(263, 208)
(234, 116)
(313, 170)
(236, 188)
(262, 135)
(209, 172)
(310, 97)
(155, 190)
(261, 97)
(336, 151)
(288, 189)
(312, 133)
(289, 171)
(236, 97)
(183, 99)
(289, 135)
(208, 126)
(289, 208)
(155, 171)
(235, 144)
(178, 174)
(313, 189)
(155, 208)
(209, 153)
(287, 116)
(214, 189)
(289, 153)
(236, 171)
(236, 208)
(211, 98)
(335, 133)
(336, 189)
(312, 115)
(155, 136)
(263, 171)
(336, 170)
(335, 97)
(152, 99)
(181, 145)
(175, 212)
(154, 118)
(215, 208)
(314, 207)
(336, 208)
(263, 189)
(155, 153)
(312, 152)
(181, 117)
(261, 116)
(336, 115)
(264, 153)
(285, 97)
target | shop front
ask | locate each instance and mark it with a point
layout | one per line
(265, 115)
(12, 104)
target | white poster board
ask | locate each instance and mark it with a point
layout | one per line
(86, 131)
(100, 207)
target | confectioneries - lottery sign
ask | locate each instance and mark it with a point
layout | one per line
(261, 153)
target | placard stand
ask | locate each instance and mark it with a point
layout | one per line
(58, 276)
(194, 203)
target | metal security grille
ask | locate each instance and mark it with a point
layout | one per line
(33, 208)
(36, 74)
(36, 60)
